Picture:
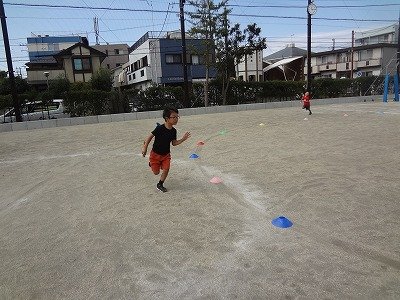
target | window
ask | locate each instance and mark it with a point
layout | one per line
(173, 58)
(116, 51)
(324, 59)
(197, 60)
(132, 68)
(135, 65)
(144, 61)
(108, 66)
(133, 76)
(142, 73)
(118, 64)
(129, 77)
(82, 64)
(365, 54)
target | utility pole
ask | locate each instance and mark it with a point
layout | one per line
(309, 47)
(396, 78)
(14, 94)
(352, 55)
(186, 100)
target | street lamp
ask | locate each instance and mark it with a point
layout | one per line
(311, 9)
(47, 78)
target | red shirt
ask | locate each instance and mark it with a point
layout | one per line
(306, 99)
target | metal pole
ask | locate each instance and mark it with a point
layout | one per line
(398, 47)
(14, 94)
(309, 49)
(352, 55)
(186, 101)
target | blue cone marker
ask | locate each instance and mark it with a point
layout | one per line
(282, 222)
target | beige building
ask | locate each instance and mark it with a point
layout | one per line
(77, 63)
(367, 60)
(250, 68)
(117, 55)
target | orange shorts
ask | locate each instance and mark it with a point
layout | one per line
(158, 161)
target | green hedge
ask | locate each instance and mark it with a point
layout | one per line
(93, 102)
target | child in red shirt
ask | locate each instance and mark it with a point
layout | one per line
(306, 102)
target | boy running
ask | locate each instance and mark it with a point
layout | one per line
(160, 155)
(306, 102)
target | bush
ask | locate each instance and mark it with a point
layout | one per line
(91, 102)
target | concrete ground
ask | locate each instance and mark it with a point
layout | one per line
(80, 217)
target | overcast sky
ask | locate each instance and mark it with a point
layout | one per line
(124, 21)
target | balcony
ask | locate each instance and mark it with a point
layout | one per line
(369, 63)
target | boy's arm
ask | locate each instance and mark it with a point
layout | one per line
(184, 138)
(146, 144)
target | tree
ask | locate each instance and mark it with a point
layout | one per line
(59, 86)
(102, 80)
(206, 25)
(229, 43)
(3, 74)
(21, 85)
(232, 45)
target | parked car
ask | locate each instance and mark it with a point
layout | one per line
(32, 111)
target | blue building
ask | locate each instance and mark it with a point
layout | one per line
(42, 47)
(154, 59)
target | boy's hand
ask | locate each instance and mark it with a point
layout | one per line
(186, 135)
(144, 152)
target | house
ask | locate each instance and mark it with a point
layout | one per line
(54, 56)
(77, 63)
(250, 68)
(367, 60)
(156, 59)
(117, 55)
(285, 64)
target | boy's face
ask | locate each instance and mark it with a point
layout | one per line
(173, 118)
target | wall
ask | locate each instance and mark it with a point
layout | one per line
(183, 112)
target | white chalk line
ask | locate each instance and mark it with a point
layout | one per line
(73, 155)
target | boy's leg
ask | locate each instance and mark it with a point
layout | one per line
(154, 162)
(165, 165)
(164, 175)
(160, 184)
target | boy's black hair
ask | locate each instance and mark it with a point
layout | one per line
(167, 112)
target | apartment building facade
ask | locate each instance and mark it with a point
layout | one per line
(158, 60)
(250, 68)
(116, 55)
(387, 34)
(367, 60)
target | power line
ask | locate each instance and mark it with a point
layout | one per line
(165, 11)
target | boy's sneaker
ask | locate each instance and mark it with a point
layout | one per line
(161, 188)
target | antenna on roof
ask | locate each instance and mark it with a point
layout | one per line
(96, 29)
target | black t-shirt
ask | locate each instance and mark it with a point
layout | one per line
(163, 139)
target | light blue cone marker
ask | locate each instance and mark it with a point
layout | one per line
(282, 222)
(222, 132)
(194, 155)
